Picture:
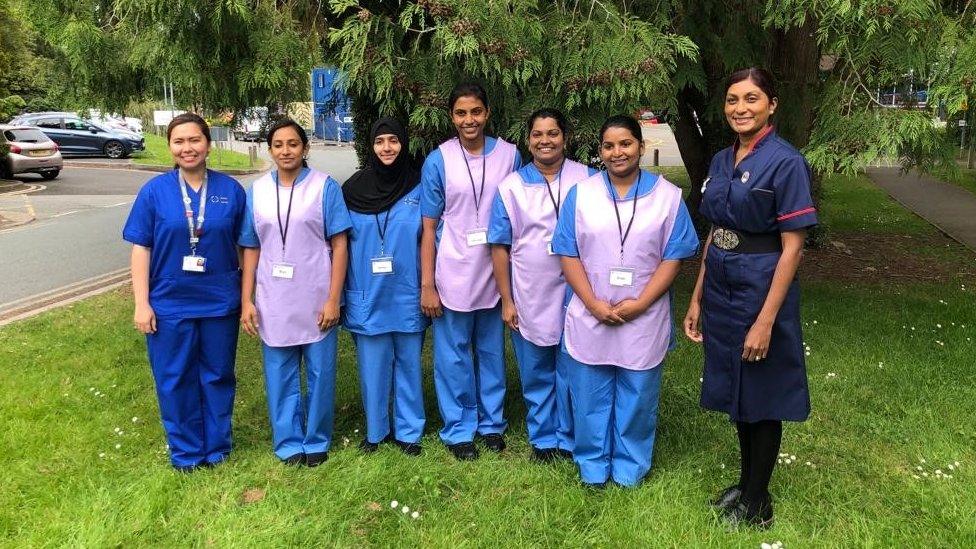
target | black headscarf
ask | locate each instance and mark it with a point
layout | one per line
(378, 187)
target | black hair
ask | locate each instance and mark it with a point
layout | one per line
(548, 113)
(289, 123)
(622, 121)
(759, 76)
(188, 118)
(465, 89)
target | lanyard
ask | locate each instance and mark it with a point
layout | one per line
(559, 189)
(620, 227)
(283, 229)
(484, 165)
(195, 225)
(382, 232)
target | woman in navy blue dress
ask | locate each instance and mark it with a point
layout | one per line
(746, 302)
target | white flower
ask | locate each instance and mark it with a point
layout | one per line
(956, 463)
(116, 429)
(394, 504)
(90, 389)
(809, 464)
(101, 454)
(918, 467)
(117, 446)
(355, 430)
(134, 419)
(765, 545)
(916, 476)
(779, 460)
(722, 466)
(405, 510)
(921, 460)
(415, 515)
(925, 474)
(793, 458)
(938, 471)
(952, 467)
(807, 353)
(913, 328)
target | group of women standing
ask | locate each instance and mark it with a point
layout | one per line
(577, 263)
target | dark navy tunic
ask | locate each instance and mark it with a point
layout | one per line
(768, 192)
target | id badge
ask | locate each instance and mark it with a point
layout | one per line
(549, 246)
(621, 277)
(382, 265)
(283, 270)
(477, 237)
(194, 264)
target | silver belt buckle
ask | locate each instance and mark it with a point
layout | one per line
(725, 239)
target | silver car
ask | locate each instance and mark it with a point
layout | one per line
(24, 149)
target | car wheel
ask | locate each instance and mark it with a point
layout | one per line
(50, 175)
(114, 150)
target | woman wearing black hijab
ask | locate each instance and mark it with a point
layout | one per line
(382, 305)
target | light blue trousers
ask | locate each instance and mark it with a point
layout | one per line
(615, 419)
(549, 415)
(301, 424)
(389, 364)
(469, 373)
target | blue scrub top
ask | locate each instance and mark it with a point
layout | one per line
(334, 211)
(432, 179)
(380, 304)
(500, 227)
(158, 221)
(768, 192)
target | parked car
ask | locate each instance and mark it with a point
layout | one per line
(83, 137)
(24, 149)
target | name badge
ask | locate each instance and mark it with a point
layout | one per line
(621, 277)
(382, 265)
(283, 270)
(194, 264)
(477, 237)
(549, 245)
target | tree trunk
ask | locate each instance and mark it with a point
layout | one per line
(695, 153)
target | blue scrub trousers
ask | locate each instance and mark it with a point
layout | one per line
(301, 425)
(469, 373)
(549, 415)
(390, 364)
(192, 361)
(615, 413)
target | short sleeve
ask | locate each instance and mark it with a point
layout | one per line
(500, 226)
(140, 226)
(564, 237)
(683, 240)
(334, 210)
(247, 237)
(518, 161)
(432, 185)
(794, 204)
(240, 201)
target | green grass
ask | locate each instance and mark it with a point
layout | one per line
(899, 396)
(855, 204)
(157, 154)
(965, 178)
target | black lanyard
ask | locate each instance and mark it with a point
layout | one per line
(559, 188)
(382, 231)
(484, 165)
(620, 226)
(283, 229)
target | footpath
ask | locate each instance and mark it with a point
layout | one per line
(15, 210)
(952, 209)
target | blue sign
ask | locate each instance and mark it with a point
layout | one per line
(330, 106)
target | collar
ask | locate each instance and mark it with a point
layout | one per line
(301, 176)
(530, 173)
(646, 181)
(756, 143)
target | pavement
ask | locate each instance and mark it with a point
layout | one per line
(952, 209)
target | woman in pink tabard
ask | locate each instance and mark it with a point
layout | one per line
(622, 235)
(459, 180)
(531, 281)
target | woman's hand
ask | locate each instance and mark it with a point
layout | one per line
(329, 315)
(144, 319)
(629, 309)
(692, 323)
(602, 311)
(757, 342)
(510, 314)
(430, 302)
(249, 317)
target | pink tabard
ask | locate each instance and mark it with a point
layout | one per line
(641, 343)
(288, 308)
(463, 273)
(538, 286)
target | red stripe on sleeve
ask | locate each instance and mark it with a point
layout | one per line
(796, 214)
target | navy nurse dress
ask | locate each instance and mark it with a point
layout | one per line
(768, 192)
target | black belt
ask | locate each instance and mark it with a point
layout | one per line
(732, 240)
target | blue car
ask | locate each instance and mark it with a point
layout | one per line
(77, 137)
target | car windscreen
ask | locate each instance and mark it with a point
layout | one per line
(26, 136)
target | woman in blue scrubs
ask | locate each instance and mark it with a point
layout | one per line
(294, 235)
(746, 302)
(187, 288)
(383, 289)
(458, 181)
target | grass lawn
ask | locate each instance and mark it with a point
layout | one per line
(888, 457)
(966, 179)
(157, 154)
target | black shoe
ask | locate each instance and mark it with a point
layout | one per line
(564, 454)
(316, 458)
(544, 455)
(186, 469)
(464, 451)
(368, 447)
(297, 459)
(494, 442)
(409, 448)
(596, 486)
(727, 498)
(743, 514)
